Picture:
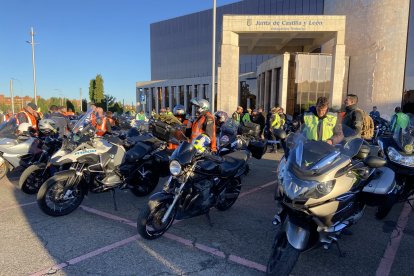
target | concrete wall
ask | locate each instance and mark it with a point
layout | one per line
(375, 39)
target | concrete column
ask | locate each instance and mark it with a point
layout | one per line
(149, 100)
(337, 75)
(164, 92)
(273, 91)
(170, 97)
(228, 94)
(157, 99)
(267, 89)
(283, 93)
(262, 91)
(193, 95)
(186, 89)
(258, 91)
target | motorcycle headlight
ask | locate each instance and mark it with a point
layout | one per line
(175, 168)
(396, 157)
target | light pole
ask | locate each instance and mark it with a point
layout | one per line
(33, 62)
(213, 62)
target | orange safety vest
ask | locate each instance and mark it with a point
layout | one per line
(101, 129)
(32, 119)
(111, 121)
(199, 126)
(7, 117)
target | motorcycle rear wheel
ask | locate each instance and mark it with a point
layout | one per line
(55, 199)
(146, 184)
(284, 256)
(231, 194)
(32, 179)
(149, 223)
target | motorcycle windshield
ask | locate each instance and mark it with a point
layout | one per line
(8, 129)
(84, 121)
(309, 155)
(184, 154)
(228, 132)
(404, 138)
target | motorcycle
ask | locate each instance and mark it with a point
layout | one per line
(198, 182)
(18, 149)
(398, 149)
(323, 190)
(99, 164)
(33, 176)
(382, 128)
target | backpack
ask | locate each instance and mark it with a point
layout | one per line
(368, 126)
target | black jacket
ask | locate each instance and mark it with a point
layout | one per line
(354, 119)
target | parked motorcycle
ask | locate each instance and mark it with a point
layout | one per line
(198, 182)
(99, 164)
(398, 149)
(321, 191)
(18, 147)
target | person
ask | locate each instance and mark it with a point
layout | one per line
(260, 119)
(282, 115)
(354, 118)
(28, 115)
(399, 120)
(275, 123)
(321, 125)
(162, 111)
(70, 112)
(236, 115)
(111, 120)
(374, 113)
(7, 116)
(141, 116)
(153, 113)
(103, 126)
(62, 122)
(205, 123)
(168, 111)
(247, 117)
(63, 110)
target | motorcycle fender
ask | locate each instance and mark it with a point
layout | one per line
(159, 197)
(297, 236)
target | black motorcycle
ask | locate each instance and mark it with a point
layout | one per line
(197, 183)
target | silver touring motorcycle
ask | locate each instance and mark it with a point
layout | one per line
(321, 191)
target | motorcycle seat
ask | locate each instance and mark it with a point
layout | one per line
(137, 152)
(232, 163)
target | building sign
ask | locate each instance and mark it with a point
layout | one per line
(285, 25)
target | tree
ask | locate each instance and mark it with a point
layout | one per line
(117, 107)
(99, 89)
(92, 85)
(84, 105)
(70, 105)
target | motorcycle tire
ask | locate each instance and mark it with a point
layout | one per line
(148, 215)
(283, 257)
(145, 185)
(231, 193)
(31, 179)
(49, 197)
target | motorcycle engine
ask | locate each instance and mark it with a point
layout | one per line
(203, 188)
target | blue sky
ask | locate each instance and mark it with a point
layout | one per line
(79, 39)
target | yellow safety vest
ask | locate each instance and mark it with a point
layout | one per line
(311, 126)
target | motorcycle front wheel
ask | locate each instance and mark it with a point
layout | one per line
(284, 256)
(149, 224)
(32, 178)
(56, 199)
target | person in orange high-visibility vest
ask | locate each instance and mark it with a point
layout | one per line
(8, 116)
(28, 115)
(109, 116)
(205, 123)
(102, 124)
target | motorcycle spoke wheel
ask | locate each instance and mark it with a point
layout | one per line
(34, 181)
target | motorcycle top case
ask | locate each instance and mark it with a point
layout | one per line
(250, 129)
(257, 148)
(162, 130)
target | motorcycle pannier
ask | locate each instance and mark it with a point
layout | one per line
(257, 148)
(250, 129)
(162, 130)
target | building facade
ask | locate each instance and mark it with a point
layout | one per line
(378, 44)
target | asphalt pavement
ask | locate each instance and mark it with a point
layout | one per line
(98, 240)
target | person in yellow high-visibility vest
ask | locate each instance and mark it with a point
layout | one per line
(321, 125)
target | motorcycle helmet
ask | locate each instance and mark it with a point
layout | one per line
(24, 129)
(179, 112)
(201, 143)
(203, 105)
(221, 117)
(47, 127)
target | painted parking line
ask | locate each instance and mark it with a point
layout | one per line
(388, 258)
(251, 191)
(16, 206)
(213, 251)
(55, 268)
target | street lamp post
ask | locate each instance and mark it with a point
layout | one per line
(33, 62)
(213, 62)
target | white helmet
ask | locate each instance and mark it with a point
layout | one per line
(203, 105)
(24, 129)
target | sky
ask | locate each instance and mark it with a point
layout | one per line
(78, 39)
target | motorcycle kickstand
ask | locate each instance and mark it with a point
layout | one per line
(341, 254)
(209, 219)
(114, 199)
